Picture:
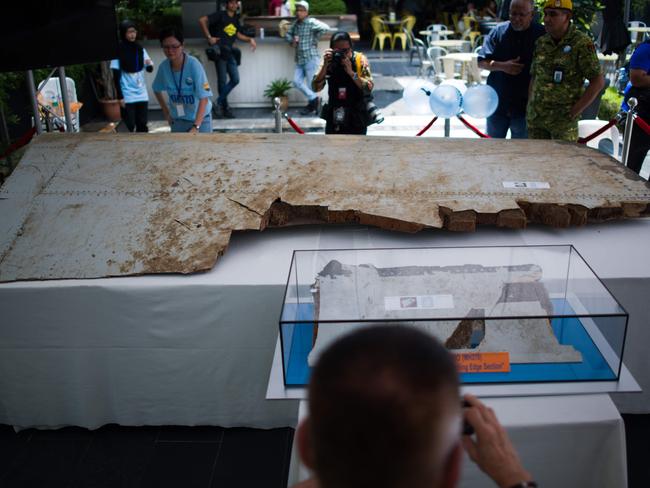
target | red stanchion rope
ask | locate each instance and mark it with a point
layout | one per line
(643, 124)
(22, 141)
(585, 140)
(472, 128)
(295, 126)
(426, 127)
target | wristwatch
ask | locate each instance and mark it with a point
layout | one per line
(197, 127)
(525, 484)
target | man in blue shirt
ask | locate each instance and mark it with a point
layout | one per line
(508, 53)
(639, 87)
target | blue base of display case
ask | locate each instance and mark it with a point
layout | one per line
(569, 331)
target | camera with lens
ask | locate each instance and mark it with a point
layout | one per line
(338, 55)
(373, 114)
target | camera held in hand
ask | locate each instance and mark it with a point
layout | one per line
(338, 56)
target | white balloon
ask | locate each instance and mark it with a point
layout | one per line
(480, 101)
(416, 96)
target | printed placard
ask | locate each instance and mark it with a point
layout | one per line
(528, 185)
(418, 302)
(483, 362)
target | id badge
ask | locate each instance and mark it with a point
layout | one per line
(558, 75)
(180, 111)
(339, 115)
(343, 93)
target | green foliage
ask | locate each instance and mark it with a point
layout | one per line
(150, 15)
(8, 83)
(278, 88)
(327, 7)
(610, 104)
(583, 12)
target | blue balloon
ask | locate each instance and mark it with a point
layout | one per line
(480, 101)
(445, 101)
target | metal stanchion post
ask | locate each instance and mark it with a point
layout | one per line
(64, 98)
(447, 127)
(34, 100)
(629, 127)
(278, 115)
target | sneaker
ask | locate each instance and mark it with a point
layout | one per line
(216, 112)
(227, 112)
(312, 107)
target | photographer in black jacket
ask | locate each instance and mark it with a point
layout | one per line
(349, 83)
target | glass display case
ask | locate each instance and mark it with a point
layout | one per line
(520, 314)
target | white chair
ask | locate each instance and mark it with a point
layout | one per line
(634, 36)
(435, 54)
(610, 139)
(50, 96)
(437, 31)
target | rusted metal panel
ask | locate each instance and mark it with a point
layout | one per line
(94, 205)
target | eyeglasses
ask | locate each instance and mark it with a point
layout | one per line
(172, 47)
(520, 14)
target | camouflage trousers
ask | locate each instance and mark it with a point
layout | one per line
(563, 131)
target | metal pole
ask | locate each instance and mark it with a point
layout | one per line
(278, 115)
(66, 101)
(34, 100)
(447, 127)
(629, 127)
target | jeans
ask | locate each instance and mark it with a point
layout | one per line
(181, 125)
(498, 124)
(303, 75)
(226, 68)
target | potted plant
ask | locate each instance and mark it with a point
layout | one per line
(106, 92)
(279, 88)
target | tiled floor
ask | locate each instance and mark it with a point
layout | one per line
(188, 457)
(160, 457)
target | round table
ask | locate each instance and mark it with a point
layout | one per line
(451, 44)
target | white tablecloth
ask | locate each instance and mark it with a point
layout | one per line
(564, 441)
(171, 349)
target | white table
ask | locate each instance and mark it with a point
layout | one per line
(197, 349)
(563, 441)
(451, 44)
(469, 66)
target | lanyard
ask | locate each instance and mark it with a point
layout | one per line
(180, 80)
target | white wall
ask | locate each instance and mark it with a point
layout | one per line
(273, 58)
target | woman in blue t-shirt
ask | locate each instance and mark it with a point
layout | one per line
(128, 73)
(639, 87)
(183, 78)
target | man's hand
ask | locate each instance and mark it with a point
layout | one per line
(492, 450)
(122, 103)
(253, 44)
(213, 40)
(167, 116)
(296, 40)
(512, 66)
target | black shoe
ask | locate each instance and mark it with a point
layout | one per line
(216, 113)
(312, 107)
(227, 112)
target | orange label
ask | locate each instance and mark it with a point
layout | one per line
(483, 362)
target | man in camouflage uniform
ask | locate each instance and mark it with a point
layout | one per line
(564, 57)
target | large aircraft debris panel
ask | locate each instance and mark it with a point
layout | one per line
(94, 205)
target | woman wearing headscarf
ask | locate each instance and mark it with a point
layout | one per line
(128, 72)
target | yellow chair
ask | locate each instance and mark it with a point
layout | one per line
(381, 33)
(406, 25)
